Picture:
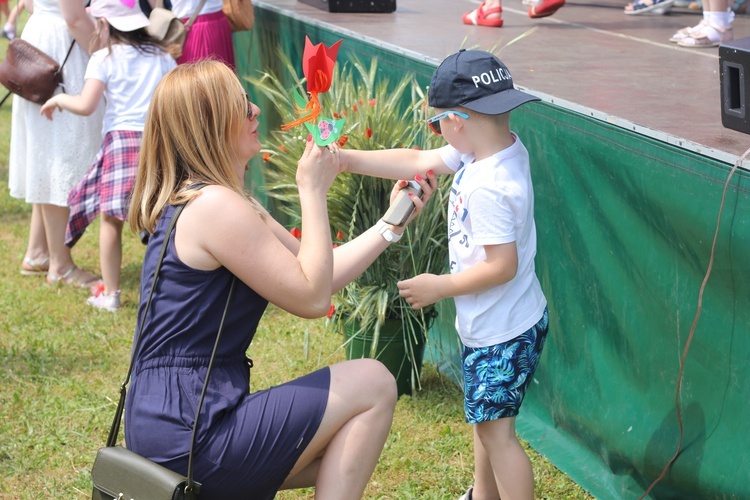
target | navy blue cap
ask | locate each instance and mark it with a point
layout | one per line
(476, 80)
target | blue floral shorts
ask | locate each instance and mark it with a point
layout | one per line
(496, 377)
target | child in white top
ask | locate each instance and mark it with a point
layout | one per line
(125, 73)
(501, 311)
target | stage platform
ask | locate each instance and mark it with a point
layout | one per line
(589, 57)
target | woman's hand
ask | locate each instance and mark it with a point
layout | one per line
(428, 186)
(318, 167)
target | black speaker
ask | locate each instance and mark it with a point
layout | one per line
(353, 5)
(734, 71)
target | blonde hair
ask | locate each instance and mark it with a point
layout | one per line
(194, 120)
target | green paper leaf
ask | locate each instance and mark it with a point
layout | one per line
(326, 131)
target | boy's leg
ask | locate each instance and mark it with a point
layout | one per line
(509, 462)
(485, 484)
(495, 382)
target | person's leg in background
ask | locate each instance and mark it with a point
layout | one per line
(490, 12)
(36, 260)
(9, 30)
(714, 29)
(62, 269)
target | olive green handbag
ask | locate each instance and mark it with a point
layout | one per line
(119, 473)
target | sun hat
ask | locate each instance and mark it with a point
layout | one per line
(124, 15)
(476, 80)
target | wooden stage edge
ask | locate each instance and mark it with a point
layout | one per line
(589, 58)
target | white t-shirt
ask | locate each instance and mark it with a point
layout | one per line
(492, 202)
(186, 8)
(130, 78)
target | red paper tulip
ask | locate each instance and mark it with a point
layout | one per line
(317, 66)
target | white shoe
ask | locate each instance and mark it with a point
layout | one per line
(109, 303)
(9, 31)
(467, 495)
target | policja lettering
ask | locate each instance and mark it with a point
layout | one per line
(494, 76)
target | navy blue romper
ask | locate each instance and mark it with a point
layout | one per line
(246, 443)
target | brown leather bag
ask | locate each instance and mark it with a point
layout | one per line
(240, 13)
(30, 73)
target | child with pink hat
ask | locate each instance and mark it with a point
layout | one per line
(126, 65)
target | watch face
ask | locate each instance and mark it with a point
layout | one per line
(387, 234)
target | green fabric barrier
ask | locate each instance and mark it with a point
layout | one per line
(625, 225)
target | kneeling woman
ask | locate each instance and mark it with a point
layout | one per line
(319, 430)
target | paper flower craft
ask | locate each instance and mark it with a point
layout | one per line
(317, 66)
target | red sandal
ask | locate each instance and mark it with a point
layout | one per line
(545, 8)
(478, 17)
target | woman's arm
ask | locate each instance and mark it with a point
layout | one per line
(79, 23)
(352, 258)
(221, 228)
(83, 104)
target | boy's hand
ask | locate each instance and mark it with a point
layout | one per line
(420, 291)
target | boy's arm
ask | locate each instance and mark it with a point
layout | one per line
(498, 268)
(393, 163)
(83, 104)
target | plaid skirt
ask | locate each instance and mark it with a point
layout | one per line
(107, 186)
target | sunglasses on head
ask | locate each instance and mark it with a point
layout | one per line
(434, 122)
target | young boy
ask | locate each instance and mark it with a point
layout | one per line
(501, 311)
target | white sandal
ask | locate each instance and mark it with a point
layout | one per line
(686, 32)
(703, 39)
(34, 267)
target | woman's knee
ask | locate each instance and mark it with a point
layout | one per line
(370, 378)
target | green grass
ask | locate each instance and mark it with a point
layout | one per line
(61, 364)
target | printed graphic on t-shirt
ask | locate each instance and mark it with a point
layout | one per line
(457, 213)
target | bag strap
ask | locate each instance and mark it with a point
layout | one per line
(189, 485)
(115, 429)
(70, 49)
(195, 14)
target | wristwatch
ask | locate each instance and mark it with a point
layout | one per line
(386, 232)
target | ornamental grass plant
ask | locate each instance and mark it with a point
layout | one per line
(379, 114)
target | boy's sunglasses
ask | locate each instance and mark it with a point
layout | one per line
(434, 122)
